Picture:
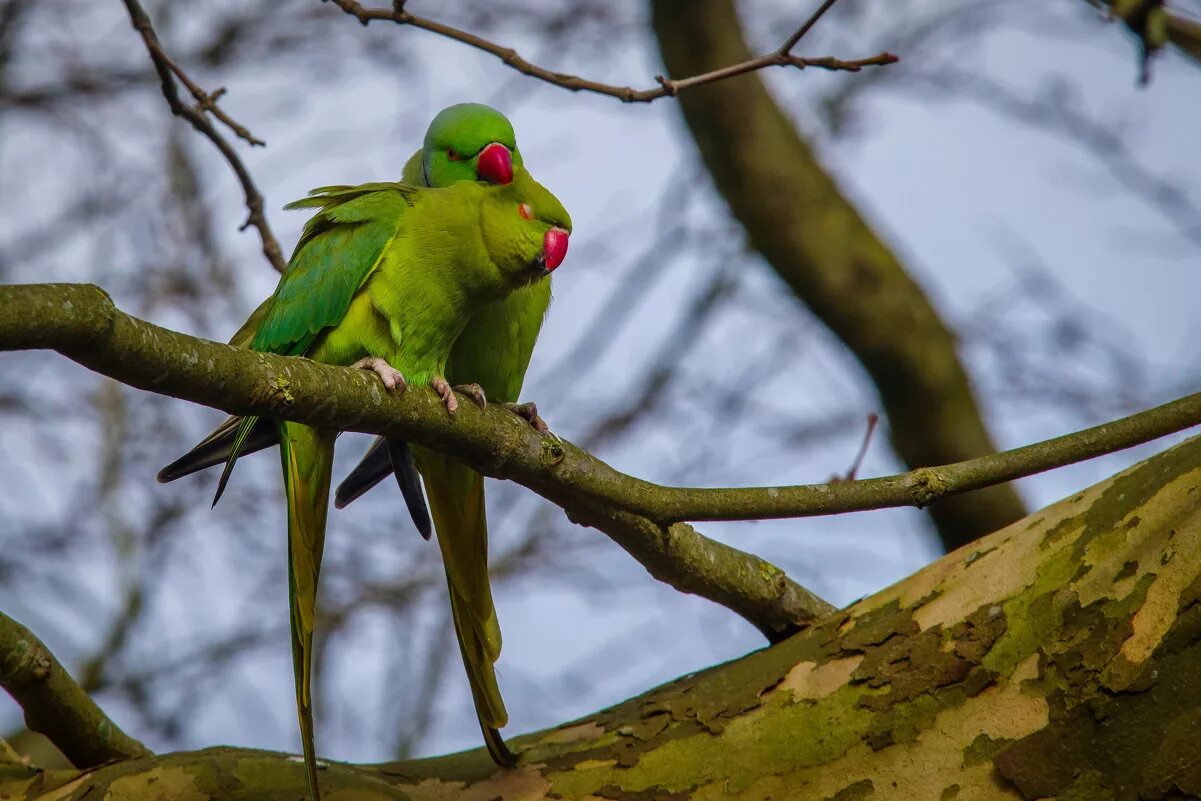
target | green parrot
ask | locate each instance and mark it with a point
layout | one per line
(494, 349)
(492, 353)
(464, 142)
(385, 277)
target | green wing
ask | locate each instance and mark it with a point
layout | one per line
(339, 248)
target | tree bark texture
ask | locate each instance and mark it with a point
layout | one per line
(814, 238)
(1055, 658)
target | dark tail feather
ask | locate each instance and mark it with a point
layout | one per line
(409, 481)
(497, 749)
(384, 457)
(215, 448)
(371, 470)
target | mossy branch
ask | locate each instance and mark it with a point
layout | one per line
(81, 322)
(55, 705)
(647, 519)
(1055, 659)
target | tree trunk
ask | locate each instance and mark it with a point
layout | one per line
(1057, 657)
(819, 244)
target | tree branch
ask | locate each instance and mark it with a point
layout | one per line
(782, 57)
(168, 71)
(55, 705)
(1057, 660)
(836, 263)
(81, 322)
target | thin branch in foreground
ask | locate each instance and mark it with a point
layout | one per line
(781, 57)
(206, 103)
(55, 705)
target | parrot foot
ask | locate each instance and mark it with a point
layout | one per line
(475, 392)
(529, 412)
(446, 393)
(387, 373)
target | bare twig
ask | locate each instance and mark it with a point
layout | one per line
(782, 57)
(55, 705)
(168, 71)
(872, 420)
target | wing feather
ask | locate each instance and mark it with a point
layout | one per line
(339, 248)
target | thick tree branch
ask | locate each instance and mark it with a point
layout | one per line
(81, 322)
(55, 705)
(668, 87)
(168, 71)
(819, 243)
(1058, 659)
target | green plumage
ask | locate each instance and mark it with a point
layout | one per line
(438, 282)
(493, 351)
(338, 249)
(391, 271)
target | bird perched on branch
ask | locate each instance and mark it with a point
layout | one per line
(385, 277)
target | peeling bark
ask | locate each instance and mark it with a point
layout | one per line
(1056, 657)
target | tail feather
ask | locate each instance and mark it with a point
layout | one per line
(245, 426)
(478, 661)
(456, 498)
(409, 480)
(373, 468)
(384, 457)
(497, 749)
(307, 456)
(215, 448)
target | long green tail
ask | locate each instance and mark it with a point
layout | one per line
(307, 455)
(456, 499)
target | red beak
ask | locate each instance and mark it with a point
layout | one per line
(554, 248)
(495, 164)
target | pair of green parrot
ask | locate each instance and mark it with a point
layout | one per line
(441, 280)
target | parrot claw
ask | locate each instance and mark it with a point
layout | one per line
(475, 392)
(447, 394)
(387, 373)
(529, 412)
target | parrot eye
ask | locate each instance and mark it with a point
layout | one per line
(526, 210)
(452, 154)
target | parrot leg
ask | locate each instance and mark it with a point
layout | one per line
(529, 413)
(446, 393)
(475, 392)
(387, 373)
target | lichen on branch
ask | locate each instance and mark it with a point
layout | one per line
(1055, 658)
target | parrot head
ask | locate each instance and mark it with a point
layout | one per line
(470, 142)
(525, 228)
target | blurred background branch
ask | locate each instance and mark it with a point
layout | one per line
(668, 87)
